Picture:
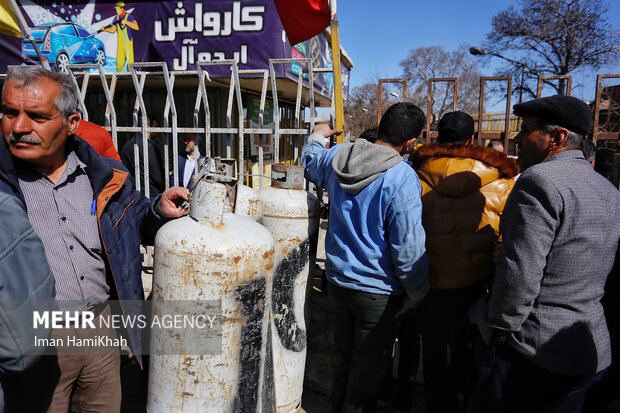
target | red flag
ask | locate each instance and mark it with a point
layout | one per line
(303, 19)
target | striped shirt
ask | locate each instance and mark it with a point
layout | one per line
(61, 215)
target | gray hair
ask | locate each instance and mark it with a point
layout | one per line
(574, 139)
(589, 150)
(67, 101)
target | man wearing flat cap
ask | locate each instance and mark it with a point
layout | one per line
(560, 230)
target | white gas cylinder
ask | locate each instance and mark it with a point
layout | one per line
(292, 215)
(227, 259)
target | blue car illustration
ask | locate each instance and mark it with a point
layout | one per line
(63, 44)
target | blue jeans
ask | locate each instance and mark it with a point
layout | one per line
(509, 382)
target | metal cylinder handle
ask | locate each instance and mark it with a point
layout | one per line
(208, 202)
(287, 176)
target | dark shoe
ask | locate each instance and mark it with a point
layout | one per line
(403, 401)
(325, 212)
(385, 394)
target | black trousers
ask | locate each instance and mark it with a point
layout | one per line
(365, 328)
(447, 346)
(510, 383)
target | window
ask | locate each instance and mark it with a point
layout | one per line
(65, 29)
(82, 32)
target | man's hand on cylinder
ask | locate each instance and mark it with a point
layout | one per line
(169, 205)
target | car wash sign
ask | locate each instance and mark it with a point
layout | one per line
(194, 31)
(180, 33)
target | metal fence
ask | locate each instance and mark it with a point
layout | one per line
(503, 126)
(232, 136)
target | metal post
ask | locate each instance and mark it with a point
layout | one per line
(483, 81)
(82, 90)
(140, 107)
(276, 113)
(541, 79)
(507, 121)
(235, 72)
(175, 142)
(202, 91)
(480, 110)
(26, 30)
(260, 131)
(276, 109)
(109, 96)
(381, 82)
(429, 100)
(597, 108)
(337, 74)
(522, 83)
(234, 89)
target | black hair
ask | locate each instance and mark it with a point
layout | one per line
(401, 122)
(370, 134)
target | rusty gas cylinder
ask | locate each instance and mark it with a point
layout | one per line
(212, 256)
(245, 201)
(248, 203)
(292, 215)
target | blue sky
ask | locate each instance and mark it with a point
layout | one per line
(378, 35)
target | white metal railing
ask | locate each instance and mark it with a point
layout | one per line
(170, 116)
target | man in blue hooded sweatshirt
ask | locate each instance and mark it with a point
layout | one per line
(376, 260)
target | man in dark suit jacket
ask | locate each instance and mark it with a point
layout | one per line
(187, 162)
(157, 182)
(560, 230)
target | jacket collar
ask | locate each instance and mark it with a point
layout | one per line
(507, 166)
(97, 170)
(569, 154)
(7, 167)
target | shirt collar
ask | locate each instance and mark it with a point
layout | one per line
(74, 164)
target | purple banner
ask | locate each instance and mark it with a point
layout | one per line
(248, 31)
(319, 50)
(179, 33)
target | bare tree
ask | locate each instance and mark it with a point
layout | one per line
(425, 63)
(552, 37)
(361, 107)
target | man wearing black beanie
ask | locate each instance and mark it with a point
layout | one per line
(464, 189)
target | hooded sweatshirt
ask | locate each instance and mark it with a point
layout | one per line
(358, 164)
(375, 240)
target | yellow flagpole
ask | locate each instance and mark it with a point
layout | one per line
(337, 78)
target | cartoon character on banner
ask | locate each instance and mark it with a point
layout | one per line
(123, 25)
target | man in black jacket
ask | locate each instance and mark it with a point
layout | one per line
(157, 182)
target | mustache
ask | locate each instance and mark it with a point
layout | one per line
(23, 139)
